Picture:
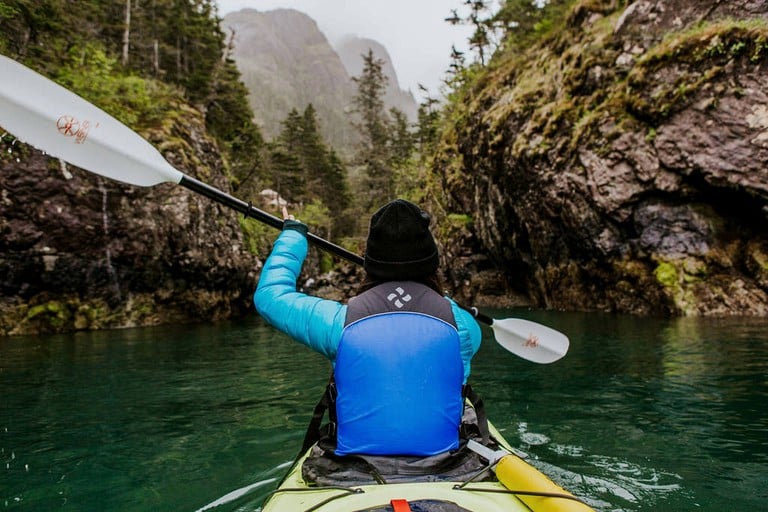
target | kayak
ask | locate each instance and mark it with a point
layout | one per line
(518, 486)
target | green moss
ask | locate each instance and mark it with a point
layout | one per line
(760, 258)
(533, 96)
(7, 11)
(88, 316)
(459, 219)
(326, 262)
(760, 49)
(697, 56)
(667, 275)
(89, 71)
(144, 308)
(53, 313)
(255, 236)
(451, 225)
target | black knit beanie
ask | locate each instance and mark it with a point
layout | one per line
(400, 246)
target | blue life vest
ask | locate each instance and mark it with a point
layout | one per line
(399, 379)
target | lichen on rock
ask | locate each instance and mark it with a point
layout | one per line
(621, 163)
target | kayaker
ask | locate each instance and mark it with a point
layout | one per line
(400, 350)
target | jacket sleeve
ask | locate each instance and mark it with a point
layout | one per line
(312, 321)
(469, 335)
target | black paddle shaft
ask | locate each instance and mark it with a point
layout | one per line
(248, 210)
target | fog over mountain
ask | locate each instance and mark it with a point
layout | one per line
(287, 62)
(351, 50)
(415, 34)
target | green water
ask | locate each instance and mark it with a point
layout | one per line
(643, 414)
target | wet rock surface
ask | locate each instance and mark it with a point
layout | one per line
(79, 251)
(635, 177)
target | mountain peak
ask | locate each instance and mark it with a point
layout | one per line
(287, 62)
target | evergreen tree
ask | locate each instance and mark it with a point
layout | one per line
(178, 42)
(480, 41)
(326, 173)
(32, 30)
(335, 186)
(401, 140)
(313, 154)
(427, 124)
(291, 135)
(229, 118)
(307, 172)
(480, 38)
(287, 171)
(373, 154)
(197, 44)
(518, 15)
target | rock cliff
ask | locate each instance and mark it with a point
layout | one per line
(621, 164)
(79, 251)
(286, 62)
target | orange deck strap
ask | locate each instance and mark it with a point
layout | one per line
(400, 506)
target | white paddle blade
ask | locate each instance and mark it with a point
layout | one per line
(51, 118)
(529, 340)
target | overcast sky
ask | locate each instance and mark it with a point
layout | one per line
(413, 31)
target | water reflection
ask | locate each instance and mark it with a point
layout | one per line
(717, 369)
(642, 413)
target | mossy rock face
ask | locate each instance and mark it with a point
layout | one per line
(673, 73)
(63, 314)
(757, 261)
(666, 274)
(694, 288)
(84, 252)
(52, 316)
(620, 162)
(71, 313)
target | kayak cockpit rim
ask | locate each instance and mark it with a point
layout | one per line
(346, 491)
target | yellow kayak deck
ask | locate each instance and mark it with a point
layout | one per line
(482, 496)
(295, 495)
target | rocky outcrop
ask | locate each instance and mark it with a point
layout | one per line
(79, 251)
(286, 62)
(622, 165)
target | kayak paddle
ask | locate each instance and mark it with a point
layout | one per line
(55, 120)
(524, 338)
